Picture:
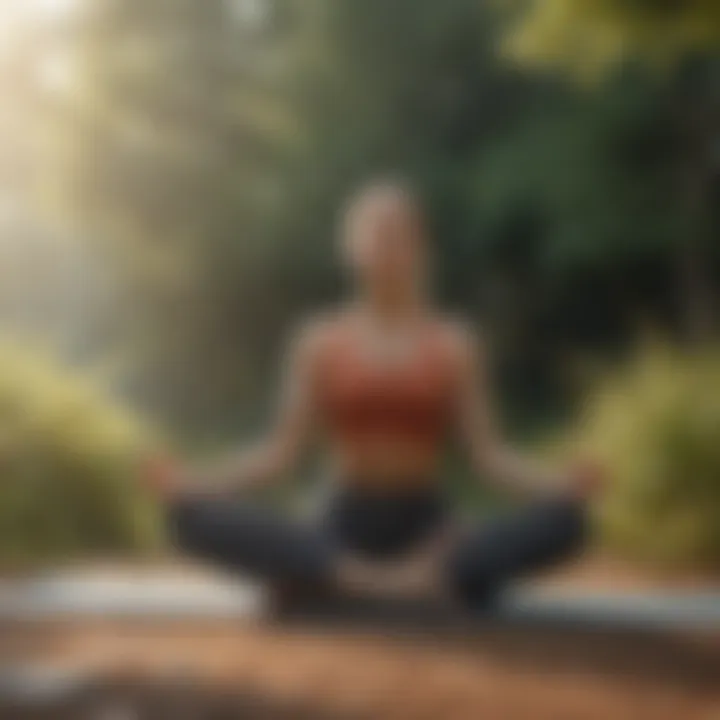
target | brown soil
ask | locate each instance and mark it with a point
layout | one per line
(221, 669)
(289, 672)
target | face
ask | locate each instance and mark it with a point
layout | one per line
(385, 242)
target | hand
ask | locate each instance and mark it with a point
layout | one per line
(587, 477)
(161, 474)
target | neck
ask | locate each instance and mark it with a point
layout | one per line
(393, 310)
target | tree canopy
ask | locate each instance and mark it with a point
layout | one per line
(208, 147)
(587, 37)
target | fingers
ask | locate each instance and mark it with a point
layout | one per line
(161, 475)
(588, 477)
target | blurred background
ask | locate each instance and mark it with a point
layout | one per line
(171, 173)
(170, 177)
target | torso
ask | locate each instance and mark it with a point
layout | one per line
(387, 411)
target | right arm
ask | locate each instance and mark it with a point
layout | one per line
(279, 451)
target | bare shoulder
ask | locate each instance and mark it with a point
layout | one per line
(461, 338)
(316, 333)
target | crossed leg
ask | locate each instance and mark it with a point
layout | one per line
(255, 541)
(525, 541)
(274, 548)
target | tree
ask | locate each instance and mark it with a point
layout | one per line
(588, 40)
(170, 155)
(211, 157)
(212, 144)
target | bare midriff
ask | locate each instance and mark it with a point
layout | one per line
(387, 421)
(386, 464)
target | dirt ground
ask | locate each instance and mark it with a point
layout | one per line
(230, 669)
(257, 672)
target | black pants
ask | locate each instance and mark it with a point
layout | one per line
(271, 547)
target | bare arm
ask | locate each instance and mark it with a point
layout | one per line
(275, 454)
(479, 432)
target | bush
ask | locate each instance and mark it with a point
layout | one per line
(656, 424)
(67, 466)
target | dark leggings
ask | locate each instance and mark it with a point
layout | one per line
(274, 548)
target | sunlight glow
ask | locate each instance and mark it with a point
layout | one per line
(19, 16)
(52, 8)
(254, 13)
(55, 73)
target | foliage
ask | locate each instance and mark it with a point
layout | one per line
(587, 37)
(215, 157)
(590, 40)
(214, 154)
(654, 422)
(173, 149)
(596, 174)
(67, 455)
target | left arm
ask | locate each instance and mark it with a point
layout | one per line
(479, 433)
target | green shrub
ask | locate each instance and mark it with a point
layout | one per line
(68, 459)
(655, 423)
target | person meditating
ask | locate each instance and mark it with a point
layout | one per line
(384, 382)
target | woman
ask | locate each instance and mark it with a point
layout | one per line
(385, 381)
